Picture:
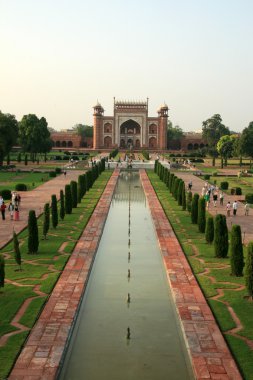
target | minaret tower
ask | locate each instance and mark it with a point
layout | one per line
(98, 126)
(163, 121)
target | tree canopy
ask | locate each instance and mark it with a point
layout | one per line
(34, 136)
(174, 132)
(8, 134)
(226, 145)
(213, 130)
(83, 130)
(246, 140)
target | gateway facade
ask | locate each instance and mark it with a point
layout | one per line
(130, 127)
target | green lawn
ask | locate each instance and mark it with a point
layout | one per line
(42, 269)
(8, 180)
(195, 248)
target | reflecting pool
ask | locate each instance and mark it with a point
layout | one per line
(127, 327)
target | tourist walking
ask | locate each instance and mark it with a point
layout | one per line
(221, 198)
(1, 200)
(215, 197)
(11, 209)
(235, 206)
(228, 207)
(190, 185)
(246, 208)
(207, 199)
(16, 213)
(3, 207)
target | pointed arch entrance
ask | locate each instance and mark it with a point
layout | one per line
(130, 134)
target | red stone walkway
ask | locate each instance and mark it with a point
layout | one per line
(211, 358)
(40, 358)
(246, 222)
(34, 200)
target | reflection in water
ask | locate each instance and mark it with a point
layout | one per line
(115, 342)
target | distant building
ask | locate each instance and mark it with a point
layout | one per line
(130, 127)
(70, 139)
(192, 141)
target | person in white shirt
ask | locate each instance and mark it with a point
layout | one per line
(235, 206)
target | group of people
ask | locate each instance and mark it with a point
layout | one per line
(211, 191)
(13, 206)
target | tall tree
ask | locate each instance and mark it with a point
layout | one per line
(174, 134)
(17, 253)
(220, 236)
(46, 221)
(83, 130)
(54, 210)
(212, 130)
(248, 273)
(8, 134)
(2, 270)
(246, 141)
(236, 251)
(62, 205)
(226, 147)
(33, 235)
(34, 136)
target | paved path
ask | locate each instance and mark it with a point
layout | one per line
(34, 200)
(211, 358)
(246, 222)
(40, 358)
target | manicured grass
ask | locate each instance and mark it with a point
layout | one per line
(212, 274)
(41, 269)
(10, 179)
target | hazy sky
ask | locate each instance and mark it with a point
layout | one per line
(58, 57)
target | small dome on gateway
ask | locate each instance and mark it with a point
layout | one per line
(98, 105)
(164, 106)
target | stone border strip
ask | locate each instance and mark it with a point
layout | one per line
(211, 358)
(40, 358)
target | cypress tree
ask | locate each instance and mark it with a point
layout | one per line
(248, 270)
(54, 211)
(179, 193)
(189, 201)
(220, 236)
(173, 186)
(168, 179)
(2, 270)
(80, 188)
(62, 206)
(46, 221)
(165, 175)
(103, 164)
(155, 167)
(26, 159)
(8, 159)
(209, 233)
(17, 253)
(19, 157)
(172, 175)
(89, 179)
(236, 251)
(33, 235)
(96, 167)
(183, 197)
(68, 200)
(73, 188)
(202, 214)
(194, 208)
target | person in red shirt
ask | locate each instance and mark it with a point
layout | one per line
(3, 207)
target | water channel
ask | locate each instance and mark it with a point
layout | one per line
(127, 327)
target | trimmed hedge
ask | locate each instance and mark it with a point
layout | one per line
(209, 233)
(224, 185)
(6, 194)
(52, 174)
(249, 198)
(21, 187)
